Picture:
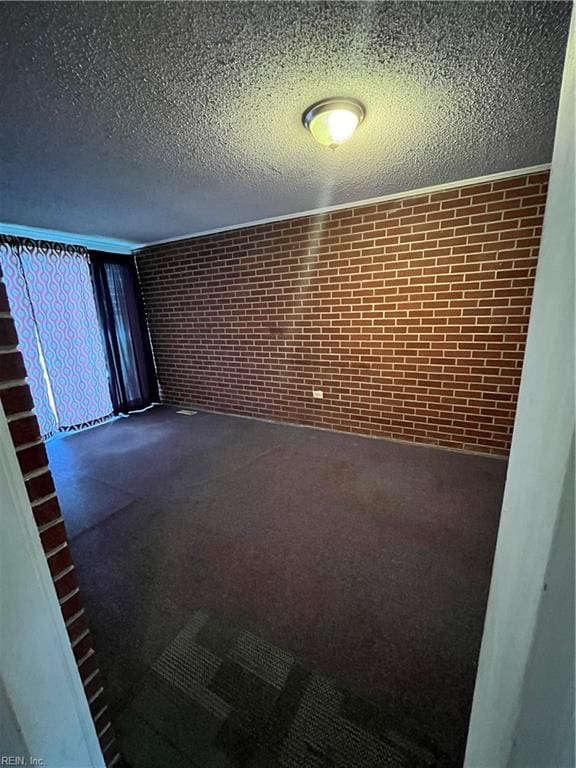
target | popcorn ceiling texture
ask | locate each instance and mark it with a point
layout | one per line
(147, 121)
(410, 315)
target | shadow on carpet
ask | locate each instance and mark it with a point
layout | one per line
(221, 697)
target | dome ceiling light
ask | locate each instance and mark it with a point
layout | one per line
(333, 121)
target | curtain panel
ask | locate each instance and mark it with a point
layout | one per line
(133, 383)
(51, 296)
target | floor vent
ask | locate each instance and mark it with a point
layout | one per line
(187, 413)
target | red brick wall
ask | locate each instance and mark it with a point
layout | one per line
(410, 315)
(17, 403)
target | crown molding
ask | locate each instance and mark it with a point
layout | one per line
(356, 203)
(69, 238)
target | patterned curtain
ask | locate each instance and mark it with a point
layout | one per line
(50, 292)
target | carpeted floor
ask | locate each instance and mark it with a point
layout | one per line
(364, 561)
(221, 696)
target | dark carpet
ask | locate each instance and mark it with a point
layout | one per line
(220, 696)
(368, 561)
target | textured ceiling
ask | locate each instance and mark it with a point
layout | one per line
(145, 121)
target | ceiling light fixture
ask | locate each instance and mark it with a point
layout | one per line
(333, 121)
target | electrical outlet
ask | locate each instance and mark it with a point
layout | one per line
(317, 394)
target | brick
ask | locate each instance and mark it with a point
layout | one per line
(46, 512)
(71, 605)
(16, 399)
(12, 367)
(24, 430)
(40, 486)
(31, 458)
(66, 583)
(4, 305)
(82, 646)
(58, 561)
(77, 627)
(87, 670)
(8, 337)
(93, 686)
(53, 537)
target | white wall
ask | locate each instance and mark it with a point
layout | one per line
(43, 708)
(523, 710)
(548, 684)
